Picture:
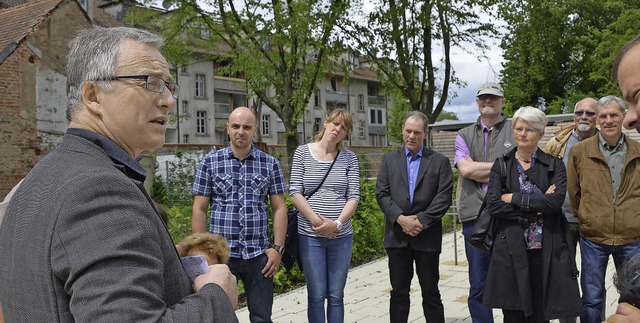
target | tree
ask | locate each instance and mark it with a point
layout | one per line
(614, 37)
(447, 115)
(404, 39)
(280, 48)
(558, 52)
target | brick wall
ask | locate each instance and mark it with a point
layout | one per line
(33, 94)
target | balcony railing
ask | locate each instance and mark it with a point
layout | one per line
(337, 97)
(379, 101)
(229, 84)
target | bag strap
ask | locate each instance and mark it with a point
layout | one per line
(503, 172)
(325, 176)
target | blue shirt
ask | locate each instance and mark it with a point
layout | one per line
(239, 191)
(413, 165)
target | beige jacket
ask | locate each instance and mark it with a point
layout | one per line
(557, 145)
(590, 191)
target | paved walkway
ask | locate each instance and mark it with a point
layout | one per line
(367, 292)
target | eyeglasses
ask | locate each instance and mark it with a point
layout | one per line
(579, 113)
(151, 83)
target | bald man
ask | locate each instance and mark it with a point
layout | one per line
(238, 181)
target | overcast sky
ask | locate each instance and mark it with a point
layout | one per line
(474, 72)
(469, 69)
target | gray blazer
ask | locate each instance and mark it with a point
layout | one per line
(431, 198)
(81, 242)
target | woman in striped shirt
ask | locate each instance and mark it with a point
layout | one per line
(324, 220)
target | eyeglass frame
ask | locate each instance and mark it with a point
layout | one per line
(579, 113)
(145, 78)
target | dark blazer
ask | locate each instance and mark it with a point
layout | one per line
(507, 284)
(81, 242)
(431, 198)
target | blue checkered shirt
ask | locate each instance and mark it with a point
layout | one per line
(238, 191)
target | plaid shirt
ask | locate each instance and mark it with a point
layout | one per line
(238, 191)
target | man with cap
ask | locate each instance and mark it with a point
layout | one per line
(477, 147)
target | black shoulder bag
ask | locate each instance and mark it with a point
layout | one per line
(291, 240)
(485, 229)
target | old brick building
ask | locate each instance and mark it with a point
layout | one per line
(33, 49)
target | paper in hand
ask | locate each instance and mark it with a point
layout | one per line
(194, 266)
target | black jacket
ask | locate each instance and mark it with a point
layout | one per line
(508, 280)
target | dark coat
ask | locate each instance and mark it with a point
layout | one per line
(82, 242)
(508, 279)
(431, 198)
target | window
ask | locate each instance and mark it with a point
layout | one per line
(377, 140)
(200, 86)
(185, 139)
(373, 90)
(360, 129)
(221, 102)
(266, 125)
(204, 34)
(201, 122)
(316, 99)
(185, 107)
(360, 102)
(183, 70)
(334, 83)
(376, 116)
(317, 123)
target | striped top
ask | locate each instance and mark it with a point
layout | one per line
(342, 185)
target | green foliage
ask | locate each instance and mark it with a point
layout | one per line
(558, 52)
(411, 32)
(447, 115)
(281, 49)
(365, 165)
(159, 190)
(179, 221)
(368, 226)
(180, 177)
(395, 116)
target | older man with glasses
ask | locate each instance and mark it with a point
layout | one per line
(584, 126)
(81, 240)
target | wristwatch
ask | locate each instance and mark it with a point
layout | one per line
(338, 225)
(279, 249)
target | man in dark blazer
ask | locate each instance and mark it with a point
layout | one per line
(414, 190)
(81, 240)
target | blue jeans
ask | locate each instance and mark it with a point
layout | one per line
(478, 266)
(595, 257)
(259, 289)
(326, 264)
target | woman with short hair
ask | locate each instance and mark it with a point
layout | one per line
(532, 275)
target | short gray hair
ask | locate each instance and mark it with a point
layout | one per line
(415, 114)
(93, 54)
(606, 100)
(534, 117)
